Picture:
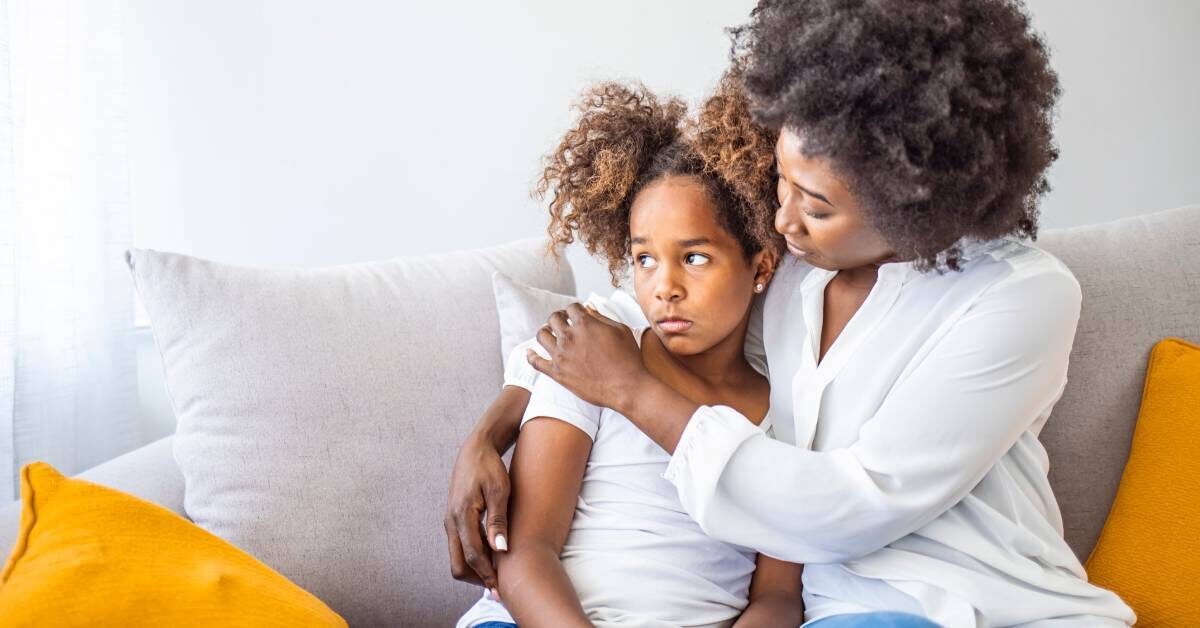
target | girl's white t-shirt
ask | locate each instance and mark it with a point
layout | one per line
(634, 555)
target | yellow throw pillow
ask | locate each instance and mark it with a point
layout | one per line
(1149, 550)
(88, 555)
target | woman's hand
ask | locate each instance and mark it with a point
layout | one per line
(591, 355)
(479, 484)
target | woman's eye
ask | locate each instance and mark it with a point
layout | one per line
(696, 259)
(645, 261)
(816, 215)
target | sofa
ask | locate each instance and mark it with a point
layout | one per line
(1140, 279)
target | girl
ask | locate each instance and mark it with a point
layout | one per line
(597, 535)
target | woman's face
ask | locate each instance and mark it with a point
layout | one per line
(691, 278)
(818, 216)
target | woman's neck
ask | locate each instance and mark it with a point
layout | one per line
(863, 277)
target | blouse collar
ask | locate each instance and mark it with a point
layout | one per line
(968, 249)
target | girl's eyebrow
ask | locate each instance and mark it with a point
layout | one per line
(687, 242)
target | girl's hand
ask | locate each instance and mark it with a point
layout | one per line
(591, 355)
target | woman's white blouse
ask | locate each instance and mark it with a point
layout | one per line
(905, 469)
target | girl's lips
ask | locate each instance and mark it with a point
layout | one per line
(674, 325)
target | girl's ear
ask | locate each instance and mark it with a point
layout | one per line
(764, 263)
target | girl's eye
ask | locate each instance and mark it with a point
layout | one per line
(816, 215)
(645, 261)
(696, 259)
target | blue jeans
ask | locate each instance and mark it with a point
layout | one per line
(857, 620)
(874, 620)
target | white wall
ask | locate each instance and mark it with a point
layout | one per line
(1129, 118)
(305, 133)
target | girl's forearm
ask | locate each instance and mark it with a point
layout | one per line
(772, 609)
(536, 589)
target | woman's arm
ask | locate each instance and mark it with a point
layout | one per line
(547, 471)
(999, 368)
(944, 425)
(775, 595)
(479, 484)
(598, 359)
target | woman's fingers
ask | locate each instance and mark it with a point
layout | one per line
(559, 324)
(496, 521)
(475, 552)
(539, 363)
(594, 313)
(548, 340)
(458, 563)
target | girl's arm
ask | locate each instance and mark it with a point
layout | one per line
(775, 598)
(547, 471)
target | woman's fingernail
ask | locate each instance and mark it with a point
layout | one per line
(495, 594)
(501, 543)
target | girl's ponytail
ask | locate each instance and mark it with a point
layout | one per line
(594, 171)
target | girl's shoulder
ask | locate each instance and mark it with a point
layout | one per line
(620, 306)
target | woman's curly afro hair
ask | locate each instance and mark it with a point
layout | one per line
(937, 113)
(626, 138)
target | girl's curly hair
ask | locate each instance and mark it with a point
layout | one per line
(937, 112)
(626, 138)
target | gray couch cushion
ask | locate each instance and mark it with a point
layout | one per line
(148, 472)
(319, 411)
(1141, 283)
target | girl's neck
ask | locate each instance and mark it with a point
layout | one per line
(703, 374)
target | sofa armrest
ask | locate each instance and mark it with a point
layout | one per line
(149, 472)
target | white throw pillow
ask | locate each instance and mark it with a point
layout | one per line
(523, 310)
(319, 411)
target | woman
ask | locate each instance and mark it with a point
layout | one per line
(917, 342)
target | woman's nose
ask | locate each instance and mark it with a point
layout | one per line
(788, 221)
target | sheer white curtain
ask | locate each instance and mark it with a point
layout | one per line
(68, 373)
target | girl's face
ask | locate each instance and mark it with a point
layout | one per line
(692, 280)
(818, 216)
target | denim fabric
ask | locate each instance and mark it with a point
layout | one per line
(874, 620)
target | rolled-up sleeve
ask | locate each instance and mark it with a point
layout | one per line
(517, 369)
(950, 416)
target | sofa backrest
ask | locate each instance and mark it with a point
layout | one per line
(1141, 283)
(320, 410)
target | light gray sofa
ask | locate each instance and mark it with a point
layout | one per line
(1141, 283)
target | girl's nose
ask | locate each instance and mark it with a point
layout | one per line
(668, 287)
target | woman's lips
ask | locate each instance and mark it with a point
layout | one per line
(674, 325)
(795, 250)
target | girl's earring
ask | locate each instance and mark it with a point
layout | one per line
(758, 287)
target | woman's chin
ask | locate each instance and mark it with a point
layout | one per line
(810, 259)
